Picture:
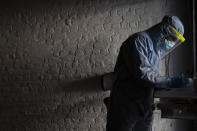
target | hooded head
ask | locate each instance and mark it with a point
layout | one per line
(175, 22)
(165, 29)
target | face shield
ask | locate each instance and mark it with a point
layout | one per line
(170, 44)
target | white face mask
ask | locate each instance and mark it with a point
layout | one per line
(168, 45)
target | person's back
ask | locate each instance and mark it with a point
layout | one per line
(129, 95)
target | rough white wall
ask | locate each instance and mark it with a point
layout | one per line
(51, 53)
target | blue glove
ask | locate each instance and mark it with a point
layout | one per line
(179, 82)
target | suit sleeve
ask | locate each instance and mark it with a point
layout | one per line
(135, 56)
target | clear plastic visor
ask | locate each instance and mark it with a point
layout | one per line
(177, 38)
(177, 43)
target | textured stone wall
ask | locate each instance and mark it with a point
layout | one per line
(53, 52)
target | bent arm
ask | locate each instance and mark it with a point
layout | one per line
(136, 59)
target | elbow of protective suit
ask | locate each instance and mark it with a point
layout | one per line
(162, 81)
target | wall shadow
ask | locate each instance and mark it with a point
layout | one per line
(92, 84)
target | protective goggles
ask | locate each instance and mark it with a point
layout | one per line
(178, 39)
(178, 35)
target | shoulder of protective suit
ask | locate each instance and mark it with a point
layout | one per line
(139, 41)
(142, 39)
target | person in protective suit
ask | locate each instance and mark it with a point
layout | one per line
(131, 98)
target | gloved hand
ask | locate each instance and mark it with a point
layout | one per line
(191, 82)
(180, 82)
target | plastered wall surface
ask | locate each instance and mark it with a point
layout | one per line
(53, 52)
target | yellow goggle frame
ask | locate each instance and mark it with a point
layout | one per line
(178, 34)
